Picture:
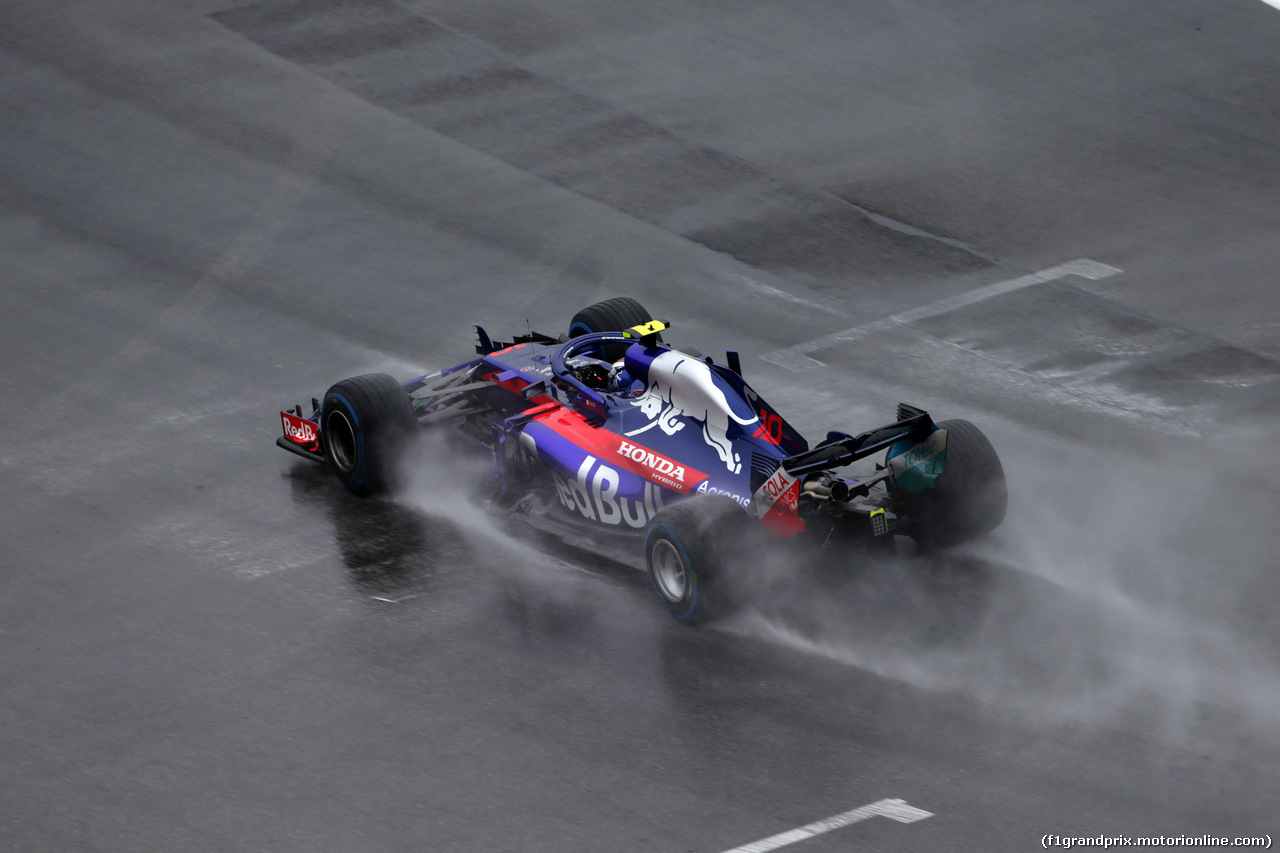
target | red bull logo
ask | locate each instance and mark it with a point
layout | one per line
(594, 494)
(299, 429)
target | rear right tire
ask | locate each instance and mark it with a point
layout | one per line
(611, 315)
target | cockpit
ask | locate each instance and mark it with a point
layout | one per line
(600, 375)
(598, 362)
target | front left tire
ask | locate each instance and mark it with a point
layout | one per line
(365, 423)
(688, 548)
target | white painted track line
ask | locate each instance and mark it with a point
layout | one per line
(797, 357)
(1275, 3)
(893, 809)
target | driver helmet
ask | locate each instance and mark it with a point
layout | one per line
(621, 381)
(591, 372)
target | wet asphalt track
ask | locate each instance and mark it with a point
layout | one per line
(209, 210)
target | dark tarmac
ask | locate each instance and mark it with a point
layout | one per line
(212, 210)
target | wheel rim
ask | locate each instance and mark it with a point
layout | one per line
(669, 571)
(340, 438)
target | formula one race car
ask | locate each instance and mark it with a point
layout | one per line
(612, 440)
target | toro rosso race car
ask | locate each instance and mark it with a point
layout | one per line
(614, 441)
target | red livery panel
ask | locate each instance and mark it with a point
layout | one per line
(622, 452)
(301, 431)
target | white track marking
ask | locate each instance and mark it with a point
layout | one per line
(893, 809)
(797, 357)
(759, 287)
(1275, 3)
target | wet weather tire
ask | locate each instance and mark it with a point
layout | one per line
(364, 426)
(611, 315)
(688, 548)
(970, 496)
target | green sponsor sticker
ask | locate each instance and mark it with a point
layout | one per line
(916, 466)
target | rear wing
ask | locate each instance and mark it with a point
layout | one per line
(841, 449)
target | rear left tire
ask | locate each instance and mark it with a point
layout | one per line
(688, 548)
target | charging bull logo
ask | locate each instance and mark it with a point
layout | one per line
(680, 386)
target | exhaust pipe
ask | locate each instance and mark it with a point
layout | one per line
(825, 487)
